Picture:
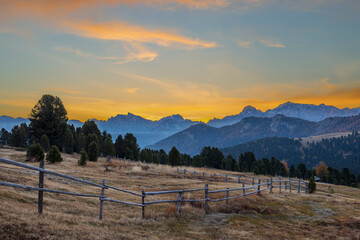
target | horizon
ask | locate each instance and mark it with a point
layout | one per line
(174, 114)
(201, 59)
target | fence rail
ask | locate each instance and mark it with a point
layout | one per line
(298, 184)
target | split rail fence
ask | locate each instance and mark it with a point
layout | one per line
(257, 188)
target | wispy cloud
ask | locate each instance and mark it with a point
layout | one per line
(272, 44)
(62, 90)
(244, 44)
(123, 31)
(131, 90)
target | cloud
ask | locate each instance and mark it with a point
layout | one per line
(62, 90)
(122, 31)
(131, 90)
(136, 53)
(271, 44)
(244, 44)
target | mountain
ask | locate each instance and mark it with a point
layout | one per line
(146, 131)
(308, 112)
(8, 122)
(193, 139)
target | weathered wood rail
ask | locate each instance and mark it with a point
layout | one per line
(260, 186)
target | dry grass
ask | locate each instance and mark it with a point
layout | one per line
(270, 216)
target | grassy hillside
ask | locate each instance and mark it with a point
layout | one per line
(270, 216)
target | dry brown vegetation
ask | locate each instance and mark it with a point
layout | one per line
(270, 216)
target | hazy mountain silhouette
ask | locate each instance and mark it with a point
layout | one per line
(193, 139)
(308, 112)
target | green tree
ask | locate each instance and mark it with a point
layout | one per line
(312, 185)
(69, 141)
(83, 157)
(155, 159)
(35, 152)
(45, 117)
(90, 127)
(44, 142)
(120, 147)
(174, 157)
(54, 155)
(256, 170)
(5, 136)
(143, 155)
(108, 147)
(93, 151)
(19, 135)
(132, 148)
(82, 141)
(163, 157)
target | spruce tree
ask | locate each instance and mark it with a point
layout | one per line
(83, 158)
(174, 157)
(53, 155)
(312, 185)
(93, 151)
(44, 142)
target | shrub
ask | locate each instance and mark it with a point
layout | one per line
(83, 158)
(312, 185)
(35, 152)
(53, 155)
(93, 151)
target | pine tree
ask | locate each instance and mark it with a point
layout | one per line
(174, 157)
(69, 141)
(312, 185)
(53, 155)
(83, 158)
(93, 151)
(44, 142)
(36, 152)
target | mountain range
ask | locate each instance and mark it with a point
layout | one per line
(308, 112)
(193, 139)
(149, 132)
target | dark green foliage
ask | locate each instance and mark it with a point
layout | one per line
(300, 170)
(83, 158)
(4, 137)
(256, 170)
(230, 164)
(90, 127)
(108, 147)
(292, 171)
(18, 135)
(60, 135)
(92, 137)
(198, 161)
(212, 156)
(312, 185)
(81, 141)
(45, 117)
(44, 142)
(93, 151)
(155, 159)
(131, 146)
(186, 160)
(35, 152)
(69, 141)
(174, 157)
(143, 155)
(163, 157)
(54, 155)
(120, 148)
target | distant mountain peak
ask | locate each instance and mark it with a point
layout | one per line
(249, 108)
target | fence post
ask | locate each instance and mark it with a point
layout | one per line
(203, 176)
(143, 203)
(299, 186)
(41, 185)
(259, 187)
(267, 183)
(238, 179)
(214, 176)
(184, 172)
(194, 173)
(177, 170)
(280, 184)
(290, 184)
(271, 185)
(179, 203)
(101, 201)
(285, 183)
(225, 177)
(227, 196)
(243, 187)
(253, 181)
(206, 205)
(307, 188)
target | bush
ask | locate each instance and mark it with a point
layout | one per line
(53, 155)
(83, 158)
(93, 151)
(35, 152)
(312, 185)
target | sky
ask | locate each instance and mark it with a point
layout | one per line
(198, 58)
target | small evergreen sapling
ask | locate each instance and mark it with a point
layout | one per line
(54, 155)
(312, 185)
(83, 158)
(35, 152)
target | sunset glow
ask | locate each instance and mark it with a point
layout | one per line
(201, 59)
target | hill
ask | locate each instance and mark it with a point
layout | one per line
(327, 214)
(193, 139)
(308, 112)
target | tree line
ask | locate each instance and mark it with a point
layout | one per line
(48, 131)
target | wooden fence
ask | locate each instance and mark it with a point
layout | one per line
(261, 185)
